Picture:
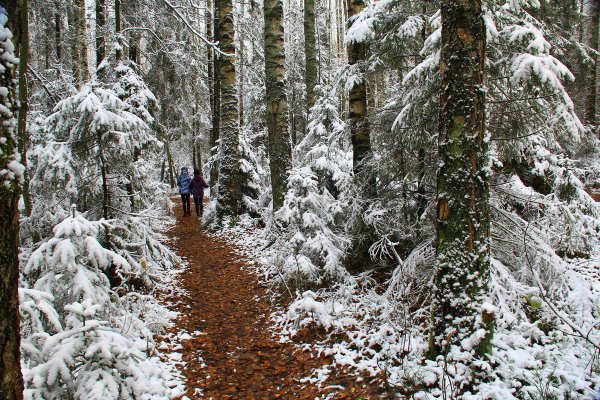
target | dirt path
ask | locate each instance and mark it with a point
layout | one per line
(233, 356)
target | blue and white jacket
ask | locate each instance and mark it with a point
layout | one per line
(183, 181)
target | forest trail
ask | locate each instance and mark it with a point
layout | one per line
(231, 353)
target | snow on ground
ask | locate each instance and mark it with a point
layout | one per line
(379, 338)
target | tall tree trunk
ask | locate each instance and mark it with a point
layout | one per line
(311, 75)
(104, 177)
(198, 151)
(227, 192)
(100, 31)
(463, 255)
(118, 24)
(170, 163)
(241, 62)
(216, 105)
(58, 33)
(592, 70)
(209, 56)
(357, 112)
(82, 68)
(11, 379)
(197, 148)
(280, 150)
(359, 259)
(135, 37)
(209, 63)
(23, 54)
(194, 153)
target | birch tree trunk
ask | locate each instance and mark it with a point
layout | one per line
(463, 254)
(280, 149)
(311, 76)
(228, 190)
(11, 379)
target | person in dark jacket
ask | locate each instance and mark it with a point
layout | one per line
(197, 187)
(183, 181)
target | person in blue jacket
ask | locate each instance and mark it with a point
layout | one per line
(183, 181)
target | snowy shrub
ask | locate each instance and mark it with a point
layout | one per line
(138, 240)
(254, 174)
(78, 341)
(311, 244)
(313, 251)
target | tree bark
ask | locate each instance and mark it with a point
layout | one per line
(280, 150)
(170, 163)
(82, 70)
(358, 258)
(104, 176)
(227, 192)
(100, 31)
(592, 70)
(23, 54)
(209, 63)
(58, 34)
(241, 62)
(198, 150)
(463, 255)
(311, 75)
(357, 111)
(118, 24)
(216, 105)
(11, 379)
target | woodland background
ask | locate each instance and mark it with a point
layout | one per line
(425, 176)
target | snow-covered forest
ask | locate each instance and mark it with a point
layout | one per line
(402, 203)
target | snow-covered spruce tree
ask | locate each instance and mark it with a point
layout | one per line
(100, 136)
(98, 141)
(11, 176)
(312, 244)
(140, 181)
(78, 341)
(254, 174)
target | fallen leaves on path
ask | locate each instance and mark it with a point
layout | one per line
(229, 352)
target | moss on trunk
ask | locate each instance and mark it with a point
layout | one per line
(463, 261)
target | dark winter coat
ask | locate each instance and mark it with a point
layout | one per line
(197, 186)
(183, 181)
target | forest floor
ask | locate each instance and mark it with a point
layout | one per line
(228, 350)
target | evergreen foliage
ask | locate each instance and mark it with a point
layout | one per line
(78, 341)
(350, 194)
